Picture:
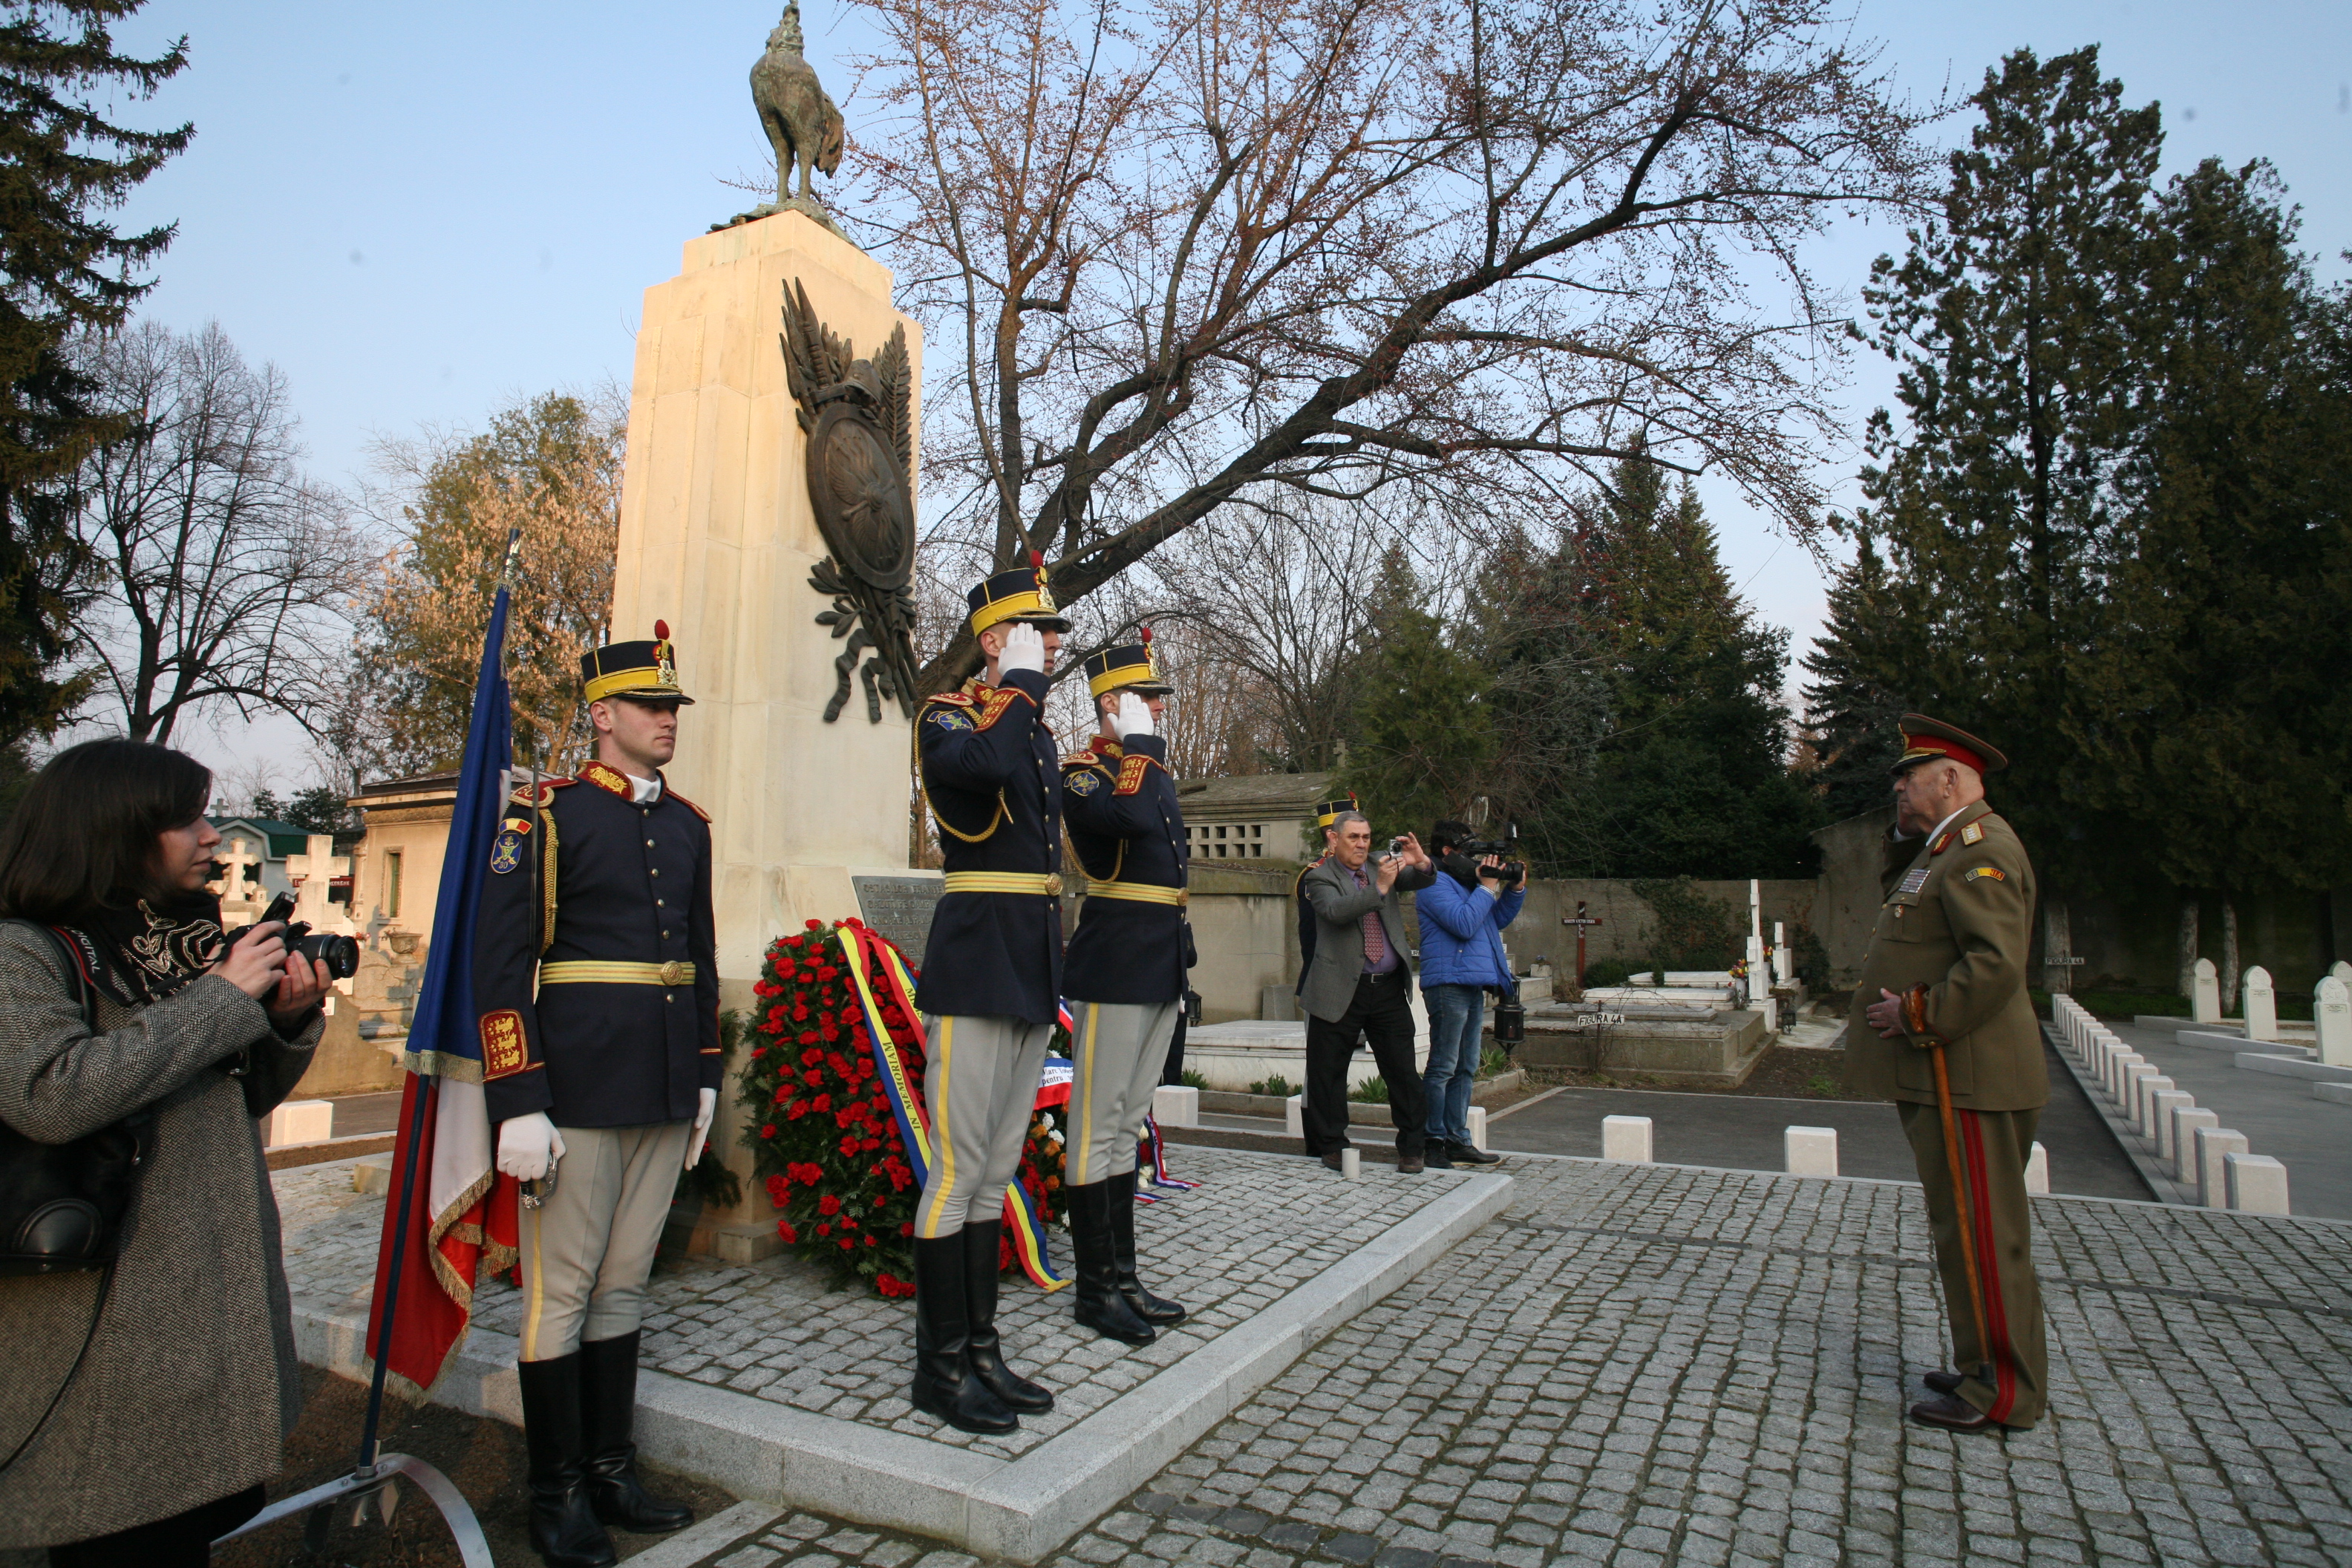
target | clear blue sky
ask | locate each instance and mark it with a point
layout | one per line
(420, 211)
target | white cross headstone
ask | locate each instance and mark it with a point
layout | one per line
(2331, 1012)
(311, 873)
(1755, 927)
(2205, 999)
(236, 898)
(2258, 1005)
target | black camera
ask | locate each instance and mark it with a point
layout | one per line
(341, 954)
(1513, 870)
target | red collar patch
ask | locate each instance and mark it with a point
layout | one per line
(611, 780)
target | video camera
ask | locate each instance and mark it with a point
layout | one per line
(341, 954)
(1514, 869)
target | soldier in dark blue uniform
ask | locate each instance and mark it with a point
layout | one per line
(990, 992)
(1124, 976)
(596, 984)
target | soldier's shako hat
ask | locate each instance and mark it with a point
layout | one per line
(1020, 595)
(1925, 739)
(645, 670)
(1127, 669)
(1329, 811)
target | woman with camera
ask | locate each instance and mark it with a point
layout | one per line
(150, 1376)
(1462, 914)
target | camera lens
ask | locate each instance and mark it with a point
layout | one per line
(341, 954)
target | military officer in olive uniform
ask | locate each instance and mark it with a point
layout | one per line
(595, 983)
(1945, 969)
(1124, 975)
(990, 992)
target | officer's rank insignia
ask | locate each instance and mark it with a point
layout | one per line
(1941, 844)
(610, 779)
(1130, 774)
(1914, 880)
(1995, 872)
(1085, 781)
(506, 851)
(1972, 833)
(505, 1050)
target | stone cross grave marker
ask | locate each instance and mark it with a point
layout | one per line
(234, 862)
(2331, 1011)
(310, 874)
(2205, 993)
(2258, 1005)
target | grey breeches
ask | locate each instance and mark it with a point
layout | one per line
(1117, 1053)
(589, 1250)
(980, 1085)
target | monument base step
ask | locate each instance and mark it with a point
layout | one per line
(2334, 1093)
(2293, 1067)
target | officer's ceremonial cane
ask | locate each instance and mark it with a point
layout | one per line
(1960, 1201)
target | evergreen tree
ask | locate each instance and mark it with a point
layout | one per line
(1424, 734)
(1852, 711)
(2019, 321)
(66, 270)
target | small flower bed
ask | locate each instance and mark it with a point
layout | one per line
(827, 1140)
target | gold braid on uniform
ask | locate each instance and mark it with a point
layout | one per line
(547, 882)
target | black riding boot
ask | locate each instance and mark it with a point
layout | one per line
(982, 1244)
(1100, 1306)
(608, 1406)
(1157, 1310)
(945, 1385)
(563, 1528)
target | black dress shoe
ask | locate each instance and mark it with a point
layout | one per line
(1332, 1161)
(1410, 1166)
(1435, 1157)
(1954, 1414)
(1942, 1382)
(1471, 1154)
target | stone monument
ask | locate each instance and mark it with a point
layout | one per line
(767, 513)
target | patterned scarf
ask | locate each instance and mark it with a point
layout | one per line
(144, 954)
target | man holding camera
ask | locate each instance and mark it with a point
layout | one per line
(1356, 984)
(596, 980)
(1462, 913)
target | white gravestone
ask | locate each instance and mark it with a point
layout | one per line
(1626, 1138)
(2257, 1183)
(2341, 971)
(1810, 1151)
(2037, 1172)
(2186, 1120)
(2331, 1012)
(2213, 1146)
(2205, 993)
(2258, 1005)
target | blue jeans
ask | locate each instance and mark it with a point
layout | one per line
(1457, 1018)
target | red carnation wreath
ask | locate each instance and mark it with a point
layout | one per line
(827, 1140)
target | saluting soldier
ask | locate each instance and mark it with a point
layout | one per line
(990, 992)
(1945, 969)
(596, 984)
(1125, 977)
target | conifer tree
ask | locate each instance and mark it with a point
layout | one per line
(1423, 733)
(1852, 710)
(63, 270)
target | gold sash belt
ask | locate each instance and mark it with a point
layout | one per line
(1004, 882)
(597, 971)
(1142, 892)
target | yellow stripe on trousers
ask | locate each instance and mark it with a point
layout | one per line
(1082, 1099)
(942, 1140)
(530, 1309)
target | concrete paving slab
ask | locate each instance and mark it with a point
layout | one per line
(763, 1381)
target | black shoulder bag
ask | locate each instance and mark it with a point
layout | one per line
(61, 1204)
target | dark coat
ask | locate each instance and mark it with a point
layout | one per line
(1125, 825)
(191, 1384)
(995, 784)
(632, 884)
(1339, 911)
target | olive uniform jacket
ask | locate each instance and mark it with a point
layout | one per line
(616, 882)
(1958, 920)
(993, 779)
(1127, 827)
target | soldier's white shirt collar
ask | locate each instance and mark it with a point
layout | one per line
(1939, 831)
(645, 792)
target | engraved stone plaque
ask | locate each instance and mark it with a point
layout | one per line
(900, 909)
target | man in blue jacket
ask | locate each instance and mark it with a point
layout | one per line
(1462, 915)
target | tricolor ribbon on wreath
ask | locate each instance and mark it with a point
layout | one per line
(1023, 1224)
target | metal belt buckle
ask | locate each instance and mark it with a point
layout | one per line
(673, 973)
(1053, 882)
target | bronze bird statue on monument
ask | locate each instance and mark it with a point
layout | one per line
(803, 125)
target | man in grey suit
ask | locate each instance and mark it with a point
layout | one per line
(1360, 985)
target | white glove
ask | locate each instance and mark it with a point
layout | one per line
(1024, 648)
(702, 1134)
(1133, 717)
(528, 1146)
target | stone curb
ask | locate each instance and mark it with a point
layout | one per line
(1021, 1509)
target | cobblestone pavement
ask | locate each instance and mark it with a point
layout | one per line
(778, 1329)
(1646, 1364)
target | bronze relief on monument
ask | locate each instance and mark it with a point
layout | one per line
(858, 415)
